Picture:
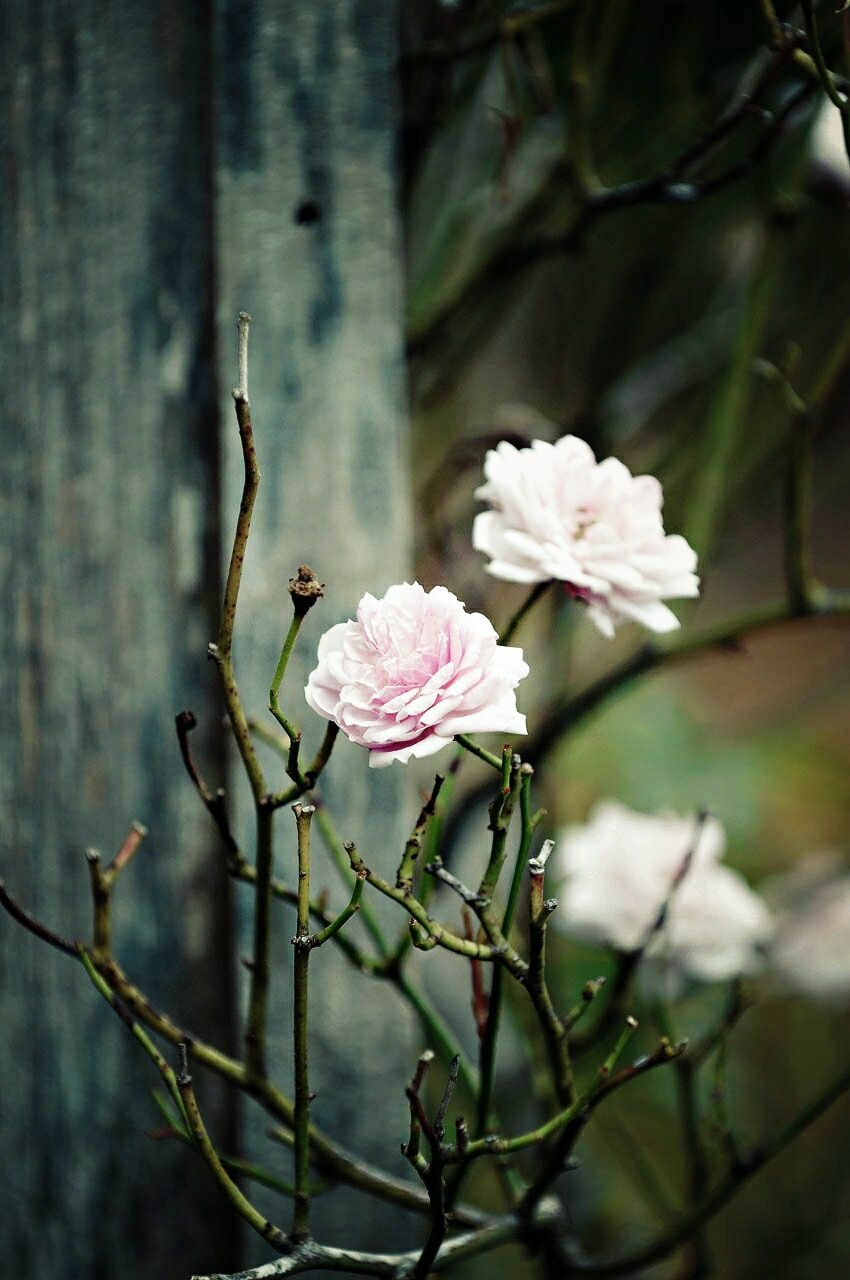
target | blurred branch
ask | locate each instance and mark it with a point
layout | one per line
(507, 27)
(628, 961)
(662, 652)
(682, 1232)
(695, 1157)
(723, 435)
(606, 1082)
(827, 79)
(536, 592)
(670, 187)
(797, 495)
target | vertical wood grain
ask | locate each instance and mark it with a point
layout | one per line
(109, 568)
(309, 243)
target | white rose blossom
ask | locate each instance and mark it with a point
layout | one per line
(811, 951)
(413, 670)
(557, 513)
(619, 869)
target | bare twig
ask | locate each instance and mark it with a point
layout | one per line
(432, 1172)
(826, 77)
(258, 1221)
(479, 1001)
(683, 1231)
(258, 996)
(656, 654)
(666, 187)
(215, 802)
(413, 847)
(34, 926)
(398, 1266)
(507, 27)
(220, 652)
(129, 845)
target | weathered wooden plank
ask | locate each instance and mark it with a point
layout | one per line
(309, 244)
(109, 557)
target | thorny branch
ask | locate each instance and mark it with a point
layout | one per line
(680, 183)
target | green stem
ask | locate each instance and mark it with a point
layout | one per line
(501, 812)
(335, 847)
(494, 1012)
(333, 927)
(683, 1231)
(536, 592)
(442, 936)
(300, 1040)
(601, 1086)
(365, 964)
(436, 1031)
(260, 1223)
(390, 966)
(255, 1034)
(235, 1164)
(291, 730)
(328, 1156)
(138, 1032)
(495, 762)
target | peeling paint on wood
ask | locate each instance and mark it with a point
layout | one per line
(108, 580)
(117, 493)
(311, 97)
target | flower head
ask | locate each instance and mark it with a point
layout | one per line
(620, 869)
(411, 671)
(558, 513)
(811, 952)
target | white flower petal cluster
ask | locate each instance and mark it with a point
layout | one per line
(619, 869)
(811, 952)
(555, 512)
(411, 671)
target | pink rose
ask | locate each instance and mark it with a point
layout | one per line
(412, 671)
(558, 513)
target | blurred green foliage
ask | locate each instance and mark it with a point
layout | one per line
(644, 337)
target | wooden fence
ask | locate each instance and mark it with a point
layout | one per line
(163, 166)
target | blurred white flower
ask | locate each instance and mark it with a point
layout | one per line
(557, 513)
(619, 870)
(827, 147)
(811, 951)
(411, 671)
